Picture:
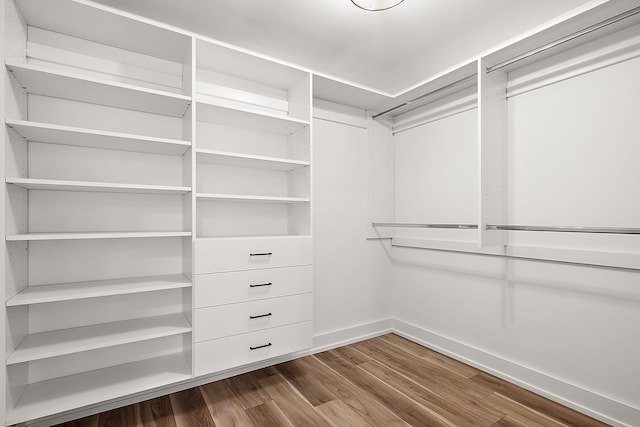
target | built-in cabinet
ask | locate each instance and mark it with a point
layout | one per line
(158, 189)
(157, 203)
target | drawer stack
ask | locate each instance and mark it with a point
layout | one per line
(253, 300)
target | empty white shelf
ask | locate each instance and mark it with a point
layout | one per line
(248, 161)
(96, 235)
(68, 135)
(99, 288)
(74, 340)
(106, 187)
(247, 119)
(75, 391)
(43, 81)
(249, 198)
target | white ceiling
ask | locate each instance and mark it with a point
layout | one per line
(389, 51)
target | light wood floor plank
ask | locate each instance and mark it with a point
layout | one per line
(268, 415)
(342, 414)
(296, 408)
(521, 413)
(157, 412)
(190, 409)
(224, 405)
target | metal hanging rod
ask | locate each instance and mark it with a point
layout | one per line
(565, 39)
(405, 225)
(560, 229)
(433, 92)
(566, 229)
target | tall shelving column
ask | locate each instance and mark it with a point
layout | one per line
(253, 251)
(98, 195)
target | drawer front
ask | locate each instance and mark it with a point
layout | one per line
(232, 319)
(220, 255)
(241, 286)
(237, 350)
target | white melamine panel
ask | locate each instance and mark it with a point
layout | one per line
(65, 393)
(219, 255)
(65, 112)
(572, 159)
(74, 340)
(352, 283)
(250, 198)
(255, 120)
(96, 212)
(232, 319)
(92, 23)
(91, 236)
(68, 85)
(67, 261)
(68, 135)
(246, 67)
(220, 137)
(86, 312)
(226, 353)
(65, 53)
(246, 160)
(97, 165)
(240, 286)
(217, 218)
(107, 187)
(99, 288)
(107, 357)
(242, 180)
(436, 176)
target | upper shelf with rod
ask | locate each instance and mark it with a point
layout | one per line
(540, 228)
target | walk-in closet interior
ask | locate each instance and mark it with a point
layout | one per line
(185, 200)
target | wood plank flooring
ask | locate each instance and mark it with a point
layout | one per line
(385, 381)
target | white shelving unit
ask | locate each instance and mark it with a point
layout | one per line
(248, 161)
(74, 340)
(107, 187)
(95, 289)
(69, 135)
(99, 161)
(43, 81)
(66, 393)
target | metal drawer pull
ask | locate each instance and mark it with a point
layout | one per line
(260, 285)
(260, 346)
(260, 315)
(261, 254)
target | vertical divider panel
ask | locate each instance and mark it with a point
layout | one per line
(380, 168)
(189, 130)
(492, 154)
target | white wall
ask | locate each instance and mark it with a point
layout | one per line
(351, 274)
(567, 331)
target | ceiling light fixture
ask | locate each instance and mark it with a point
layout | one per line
(376, 5)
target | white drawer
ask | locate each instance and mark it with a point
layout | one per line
(219, 255)
(237, 350)
(232, 319)
(241, 286)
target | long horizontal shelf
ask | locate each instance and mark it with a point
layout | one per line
(43, 81)
(255, 120)
(99, 288)
(75, 391)
(248, 161)
(249, 198)
(74, 340)
(105, 187)
(81, 137)
(96, 235)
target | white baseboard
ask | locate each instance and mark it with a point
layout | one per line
(322, 342)
(582, 400)
(595, 405)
